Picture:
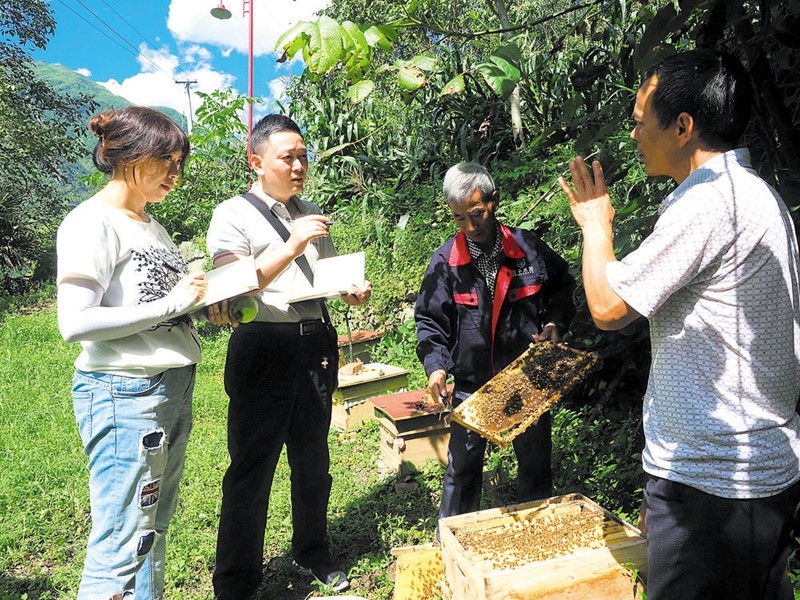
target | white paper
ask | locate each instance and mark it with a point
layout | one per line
(333, 277)
(230, 280)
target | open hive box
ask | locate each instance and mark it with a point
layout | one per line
(554, 549)
(512, 400)
(418, 572)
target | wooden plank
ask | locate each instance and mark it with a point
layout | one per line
(410, 404)
(372, 380)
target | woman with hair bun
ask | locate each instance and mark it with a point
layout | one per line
(123, 289)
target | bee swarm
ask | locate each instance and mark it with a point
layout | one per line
(519, 394)
(535, 537)
(561, 547)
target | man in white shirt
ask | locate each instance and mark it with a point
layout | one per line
(280, 370)
(718, 281)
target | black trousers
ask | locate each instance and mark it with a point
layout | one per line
(279, 386)
(705, 547)
(463, 477)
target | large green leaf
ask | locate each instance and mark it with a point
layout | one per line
(324, 48)
(426, 63)
(501, 72)
(381, 36)
(511, 55)
(455, 86)
(294, 39)
(354, 39)
(326, 154)
(410, 77)
(357, 57)
(360, 90)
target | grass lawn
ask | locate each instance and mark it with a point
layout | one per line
(44, 506)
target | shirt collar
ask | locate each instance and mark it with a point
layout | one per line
(475, 250)
(271, 202)
(459, 253)
(709, 170)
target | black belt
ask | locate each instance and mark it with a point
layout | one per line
(298, 328)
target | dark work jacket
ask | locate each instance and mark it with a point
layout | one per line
(462, 330)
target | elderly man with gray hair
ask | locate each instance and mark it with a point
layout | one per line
(489, 292)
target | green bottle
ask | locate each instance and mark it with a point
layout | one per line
(242, 309)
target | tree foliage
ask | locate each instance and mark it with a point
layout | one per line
(215, 170)
(576, 63)
(387, 119)
(38, 138)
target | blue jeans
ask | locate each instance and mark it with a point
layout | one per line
(134, 431)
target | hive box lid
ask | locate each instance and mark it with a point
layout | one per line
(371, 372)
(360, 337)
(407, 405)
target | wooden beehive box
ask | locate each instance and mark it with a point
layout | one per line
(413, 428)
(566, 547)
(517, 396)
(350, 407)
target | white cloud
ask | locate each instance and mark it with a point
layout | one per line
(200, 38)
(84, 72)
(155, 84)
(191, 21)
(277, 86)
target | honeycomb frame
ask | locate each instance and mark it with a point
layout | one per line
(512, 400)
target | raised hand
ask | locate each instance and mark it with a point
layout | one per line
(306, 229)
(589, 201)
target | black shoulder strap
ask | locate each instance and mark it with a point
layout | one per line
(262, 207)
(301, 260)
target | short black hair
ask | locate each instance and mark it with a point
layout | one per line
(712, 86)
(269, 125)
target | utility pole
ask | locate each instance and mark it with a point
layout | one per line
(186, 83)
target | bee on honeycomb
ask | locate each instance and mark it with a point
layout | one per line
(517, 396)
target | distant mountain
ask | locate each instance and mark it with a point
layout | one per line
(69, 82)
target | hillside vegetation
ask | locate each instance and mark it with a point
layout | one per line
(68, 82)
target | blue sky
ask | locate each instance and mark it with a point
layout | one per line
(138, 48)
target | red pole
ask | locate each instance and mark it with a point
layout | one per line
(249, 4)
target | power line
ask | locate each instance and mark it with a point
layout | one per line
(135, 52)
(140, 34)
(92, 25)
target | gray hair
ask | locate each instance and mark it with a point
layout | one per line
(463, 179)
